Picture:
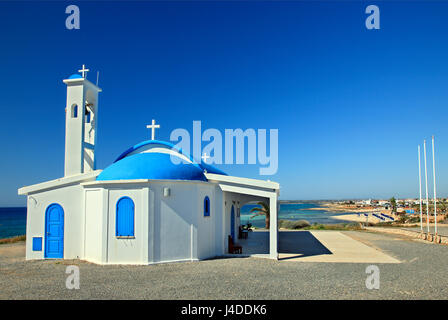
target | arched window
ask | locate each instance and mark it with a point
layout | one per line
(206, 207)
(74, 111)
(125, 217)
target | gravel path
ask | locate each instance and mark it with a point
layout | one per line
(421, 275)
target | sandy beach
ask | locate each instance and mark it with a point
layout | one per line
(334, 210)
(357, 218)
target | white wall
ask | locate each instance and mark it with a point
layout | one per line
(231, 199)
(167, 229)
(135, 250)
(74, 129)
(174, 225)
(206, 225)
(220, 238)
(94, 226)
(71, 199)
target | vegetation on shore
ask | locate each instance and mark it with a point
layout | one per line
(13, 239)
(393, 203)
(293, 224)
(394, 224)
(339, 226)
(305, 225)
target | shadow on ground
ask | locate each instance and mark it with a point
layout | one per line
(302, 243)
(299, 243)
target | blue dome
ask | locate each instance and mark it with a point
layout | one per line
(166, 145)
(75, 76)
(211, 169)
(153, 160)
(151, 165)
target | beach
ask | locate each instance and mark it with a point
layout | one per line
(357, 218)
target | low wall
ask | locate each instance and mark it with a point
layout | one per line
(410, 233)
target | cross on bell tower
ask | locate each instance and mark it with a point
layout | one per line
(153, 126)
(84, 71)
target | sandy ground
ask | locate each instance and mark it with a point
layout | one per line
(357, 218)
(242, 278)
(13, 251)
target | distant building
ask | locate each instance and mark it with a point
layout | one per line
(412, 201)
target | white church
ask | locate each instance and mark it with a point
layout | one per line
(141, 209)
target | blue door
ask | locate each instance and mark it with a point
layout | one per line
(232, 223)
(54, 232)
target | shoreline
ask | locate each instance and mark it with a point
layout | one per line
(357, 218)
(339, 208)
(13, 239)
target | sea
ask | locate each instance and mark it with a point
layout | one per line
(13, 220)
(293, 211)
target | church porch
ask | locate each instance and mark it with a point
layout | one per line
(238, 192)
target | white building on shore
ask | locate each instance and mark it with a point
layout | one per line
(143, 208)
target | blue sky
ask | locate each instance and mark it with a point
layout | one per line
(351, 104)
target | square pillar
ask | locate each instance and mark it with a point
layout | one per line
(273, 230)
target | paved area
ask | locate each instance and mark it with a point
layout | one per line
(315, 246)
(420, 275)
(257, 242)
(333, 246)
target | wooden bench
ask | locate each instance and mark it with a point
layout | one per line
(233, 248)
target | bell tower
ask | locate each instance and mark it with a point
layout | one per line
(81, 119)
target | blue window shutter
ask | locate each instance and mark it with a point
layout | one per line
(75, 112)
(37, 244)
(125, 217)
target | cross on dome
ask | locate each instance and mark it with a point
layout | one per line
(205, 157)
(153, 126)
(84, 71)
